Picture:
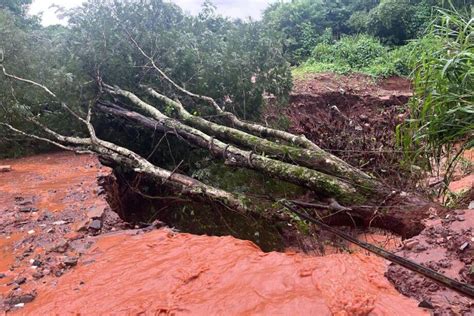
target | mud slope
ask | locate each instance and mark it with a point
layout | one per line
(56, 260)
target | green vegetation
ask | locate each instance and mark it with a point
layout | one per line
(442, 110)
(231, 61)
(303, 24)
(375, 37)
(365, 54)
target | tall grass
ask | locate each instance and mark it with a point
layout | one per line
(441, 123)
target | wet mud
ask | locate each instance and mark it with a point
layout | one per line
(354, 118)
(446, 246)
(168, 273)
(65, 252)
(51, 206)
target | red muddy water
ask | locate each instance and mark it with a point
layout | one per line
(161, 272)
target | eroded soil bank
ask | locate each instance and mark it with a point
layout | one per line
(353, 117)
(60, 255)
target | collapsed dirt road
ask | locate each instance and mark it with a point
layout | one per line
(56, 259)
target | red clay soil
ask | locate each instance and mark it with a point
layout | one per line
(50, 206)
(317, 84)
(447, 246)
(353, 117)
(55, 262)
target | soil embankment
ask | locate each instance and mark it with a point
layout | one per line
(353, 117)
(57, 263)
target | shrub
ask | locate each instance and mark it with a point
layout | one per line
(356, 51)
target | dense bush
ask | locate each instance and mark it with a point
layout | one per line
(365, 54)
(357, 51)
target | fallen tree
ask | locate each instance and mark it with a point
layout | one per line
(351, 193)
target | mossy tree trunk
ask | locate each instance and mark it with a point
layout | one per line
(277, 154)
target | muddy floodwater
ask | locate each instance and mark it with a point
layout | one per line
(129, 272)
(179, 273)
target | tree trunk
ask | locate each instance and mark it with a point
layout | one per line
(400, 213)
(299, 161)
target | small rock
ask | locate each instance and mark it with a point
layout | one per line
(38, 275)
(426, 304)
(409, 244)
(57, 223)
(37, 263)
(73, 236)
(96, 224)
(60, 246)
(70, 261)
(471, 205)
(95, 212)
(460, 212)
(419, 248)
(24, 202)
(20, 280)
(27, 209)
(22, 299)
(2, 275)
(460, 218)
(464, 246)
(81, 226)
(5, 168)
(31, 232)
(19, 305)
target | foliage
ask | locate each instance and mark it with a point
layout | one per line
(359, 53)
(208, 54)
(16, 7)
(236, 62)
(442, 110)
(37, 53)
(301, 23)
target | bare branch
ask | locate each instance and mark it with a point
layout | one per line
(48, 91)
(177, 86)
(62, 138)
(75, 149)
(28, 81)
